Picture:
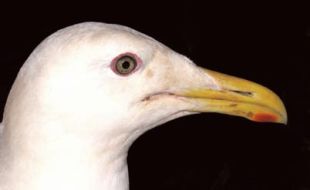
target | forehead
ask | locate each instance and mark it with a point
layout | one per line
(124, 41)
(119, 39)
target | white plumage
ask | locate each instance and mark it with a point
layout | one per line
(71, 116)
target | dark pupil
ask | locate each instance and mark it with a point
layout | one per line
(126, 65)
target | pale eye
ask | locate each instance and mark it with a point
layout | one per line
(124, 64)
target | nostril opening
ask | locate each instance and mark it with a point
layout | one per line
(243, 93)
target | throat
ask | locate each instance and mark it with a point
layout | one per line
(63, 164)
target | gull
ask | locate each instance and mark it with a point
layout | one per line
(89, 90)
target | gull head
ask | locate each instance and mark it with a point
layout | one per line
(103, 80)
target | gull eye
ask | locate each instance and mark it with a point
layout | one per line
(124, 64)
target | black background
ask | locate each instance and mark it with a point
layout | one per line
(263, 42)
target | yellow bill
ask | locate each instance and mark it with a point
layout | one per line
(239, 97)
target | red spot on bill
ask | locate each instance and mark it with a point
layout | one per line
(265, 117)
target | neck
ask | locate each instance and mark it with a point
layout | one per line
(41, 161)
